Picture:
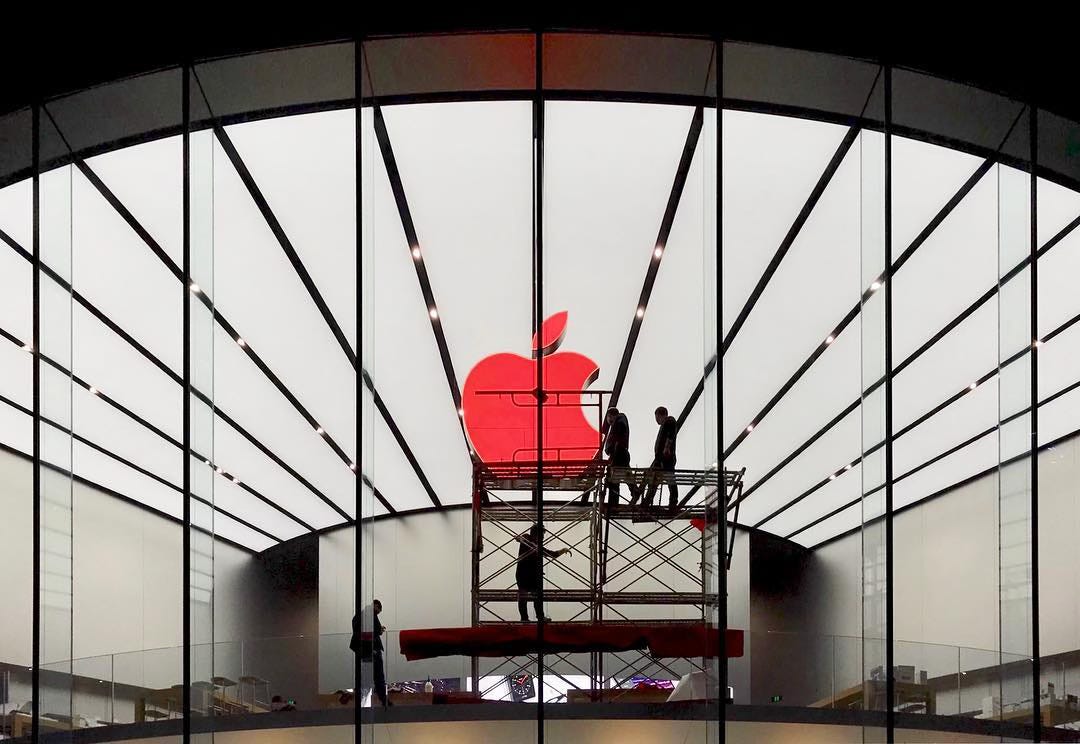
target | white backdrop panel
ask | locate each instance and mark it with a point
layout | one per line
(815, 287)
(258, 290)
(305, 166)
(608, 172)
(771, 164)
(406, 367)
(924, 177)
(148, 179)
(670, 354)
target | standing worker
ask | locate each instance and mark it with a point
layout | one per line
(663, 464)
(370, 649)
(616, 431)
(529, 570)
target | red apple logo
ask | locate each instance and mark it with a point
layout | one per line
(499, 403)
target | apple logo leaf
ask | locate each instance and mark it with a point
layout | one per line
(552, 333)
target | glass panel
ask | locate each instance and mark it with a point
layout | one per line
(628, 189)
(627, 64)
(1059, 456)
(716, 531)
(16, 427)
(200, 582)
(1015, 349)
(57, 391)
(875, 284)
(274, 339)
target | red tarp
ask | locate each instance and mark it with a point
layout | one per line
(513, 639)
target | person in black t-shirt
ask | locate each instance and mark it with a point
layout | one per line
(528, 573)
(616, 430)
(663, 464)
(371, 650)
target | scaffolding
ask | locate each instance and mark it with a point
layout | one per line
(638, 559)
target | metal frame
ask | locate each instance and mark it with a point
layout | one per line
(662, 545)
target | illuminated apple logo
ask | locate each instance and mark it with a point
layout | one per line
(502, 424)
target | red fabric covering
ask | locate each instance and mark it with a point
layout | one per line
(513, 639)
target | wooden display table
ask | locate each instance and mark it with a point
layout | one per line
(907, 694)
(641, 695)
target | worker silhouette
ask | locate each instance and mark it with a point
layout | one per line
(663, 464)
(529, 572)
(616, 431)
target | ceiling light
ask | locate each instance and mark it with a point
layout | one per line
(973, 385)
(847, 467)
(1037, 343)
(219, 470)
(749, 428)
(416, 253)
(832, 477)
(93, 390)
(830, 339)
(641, 312)
(236, 480)
(658, 252)
(875, 286)
(433, 313)
(461, 412)
(27, 347)
(195, 288)
(319, 430)
(241, 342)
(352, 466)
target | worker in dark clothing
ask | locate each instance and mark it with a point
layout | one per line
(616, 430)
(663, 464)
(371, 650)
(529, 569)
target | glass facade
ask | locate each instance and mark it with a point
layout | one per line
(309, 358)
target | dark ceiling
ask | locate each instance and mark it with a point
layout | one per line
(997, 50)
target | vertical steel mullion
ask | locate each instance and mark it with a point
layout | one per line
(35, 673)
(358, 541)
(1036, 662)
(890, 680)
(538, 323)
(186, 294)
(721, 505)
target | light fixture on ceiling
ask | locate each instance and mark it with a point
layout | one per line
(416, 252)
(847, 467)
(195, 288)
(1037, 343)
(241, 343)
(433, 313)
(93, 390)
(641, 312)
(973, 385)
(749, 428)
(658, 252)
(319, 430)
(461, 412)
(830, 339)
(236, 480)
(352, 466)
(219, 470)
(875, 286)
(27, 348)
(832, 477)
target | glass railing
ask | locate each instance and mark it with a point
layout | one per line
(279, 675)
(821, 671)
